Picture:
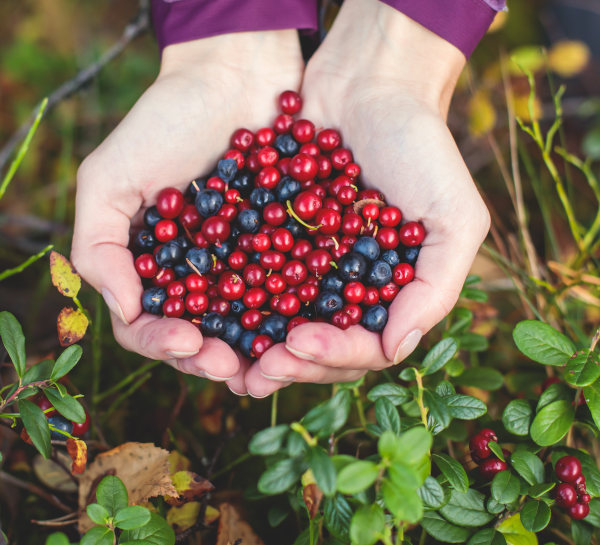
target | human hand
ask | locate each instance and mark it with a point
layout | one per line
(175, 132)
(385, 82)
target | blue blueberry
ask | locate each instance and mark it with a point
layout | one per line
(212, 324)
(168, 254)
(243, 183)
(232, 329)
(411, 254)
(145, 240)
(308, 312)
(153, 300)
(391, 257)
(200, 258)
(294, 227)
(275, 326)
(249, 221)
(260, 197)
(352, 266)
(152, 216)
(246, 339)
(327, 303)
(223, 250)
(287, 189)
(183, 242)
(195, 187)
(254, 257)
(380, 274)
(208, 202)
(368, 247)
(286, 145)
(182, 269)
(237, 307)
(61, 423)
(227, 169)
(374, 318)
(332, 282)
(235, 232)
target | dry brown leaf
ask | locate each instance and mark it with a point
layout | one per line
(143, 468)
(312, 496)
(190, 486)
(77, 450)
(178, 462)
(232, 528)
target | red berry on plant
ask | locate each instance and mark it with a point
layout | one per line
(568, 469)
(579, 511)
(79, 428)
(565, 495)
(490, 467)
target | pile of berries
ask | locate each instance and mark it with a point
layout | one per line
(481, 454)
(571, 493)
(59, 421)
(278, 235)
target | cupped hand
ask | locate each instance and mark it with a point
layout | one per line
(176, 132)
(388, 96)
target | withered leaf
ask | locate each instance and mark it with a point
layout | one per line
(72, 325)
(64, 276)
(232, 529)
(190, 486)
(77, 450)
(312, 496)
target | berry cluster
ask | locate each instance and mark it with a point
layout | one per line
(571, 493)
(481, 454)
(278, 235)
(59, 421)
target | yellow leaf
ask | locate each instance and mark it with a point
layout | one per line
(515, 533)
(77, 450)
(521, 106)
(568, 57)
(482, 116)
(64, 277)
(72, 325)
(211, 514)
(178, 462)
(183, 517)
(528, 57)
(189, 486)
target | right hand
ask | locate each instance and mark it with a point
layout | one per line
(176, 132)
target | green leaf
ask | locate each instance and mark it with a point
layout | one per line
(528, 465)
(505, 487)
(581, 532)
(98, 535)
(408, 374)
(439, 356)
(328, 417)
(494, 507)
(134, 516)
(554, 392)
(463, 317)
(280, 476)
(66, 361)
(394, 392)
(68, 406)
(592, 399)
(97, 513)
(404, 476)
(112, 494)
(156, 532)
(337, 514)
(438, 416)
(57, 538)
(357, 476)
(497, 450)
(552, 423)
(13, 340)
(487, 536)
(466, 508)
(465, 407)
(432, 493)
(473, 342)
(38, 372)
(535, 515)
(387, 445)
(484, 378)
(517, 417)
(452, 470)
(387, 415)
(474, 294)
(515, 533)
(538, 490)
(445, 389)
(403, 503)
(542, 343)
(593, 517)
(583, 368)
(413, 445)
(323, 470)
(268, 441)
(443, 531)
(37, 426)
(367, 524)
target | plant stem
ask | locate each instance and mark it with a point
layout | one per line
(299, 428)
(124, 382)
(274, 401)
(19, 268)
(360, 407)
(422, 408)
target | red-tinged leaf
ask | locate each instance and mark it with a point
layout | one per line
(77, 450)
(190, 486)
(312, 496)
(64, 276)
(72, 325)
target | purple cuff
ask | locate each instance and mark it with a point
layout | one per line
(177, 21)
(460, 22)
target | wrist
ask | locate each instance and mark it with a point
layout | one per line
(373, 43)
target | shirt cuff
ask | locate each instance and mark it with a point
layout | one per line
(177, 21)
(460, 22)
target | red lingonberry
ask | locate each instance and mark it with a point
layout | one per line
(412, 233)
(307, 293)
(490, 467)
(199, 240)
(228, 212)
(261, 242)
(237, 156)
(340, 157)
(272, 259)
(579, 511)
(565, 495)
(254, 297)
(351, 223)
(176, 289)
(296, 321)
(329, 139)
(216, 229)
(403, 273)
(169, 202)
(219, 305)
(196, 302)
(354, 311)
(306, 205)
(328, 220)
(242, 139)
(310, 148)
(164, 277)
(261, 344)
(338, 183)
(252, 163)
(339, 251)
(294, 272)
(251, 319)
(231, 285)
(568, 469)
(346, 195)
(189, 217)
(301, 249)
(165, 230)
(79, 428)
(268, 177)
(237, 260)
(216, 183)
(354, 292)
(254, 275)
(387, 238)
(282, 239)
(390, 216)
(324, 165)
(303, 130)
(145, 266)
(371, 296)
(274, 214)
(388, 292)
(275, 284)
(318, 261)
(289, 304)
(303, 167)
(267, 156)
(265, 136)
(196, 282)
(283, 165)
(283, 123)
(333, 204)
(352, 170)
(370, 211)
(43, 403)
(341, 319)
(290, 102)
(173, 307)
(244, 242)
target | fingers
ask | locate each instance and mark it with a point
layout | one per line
(237, 383)
(216, 360)
(326, 344)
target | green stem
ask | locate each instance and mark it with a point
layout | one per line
(422, 408)
(26, 263)
(231, 465)
(274, 401)
(129, 378)
(360, 407)
(292, 213)
(299, 428)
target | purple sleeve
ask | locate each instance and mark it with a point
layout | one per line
(178, 21)
(461, 22)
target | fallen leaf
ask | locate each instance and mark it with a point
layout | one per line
(77, 450)
(189, 486)
(312, 496)
(178, 462)
(183, 517)
(568, 57)
(232, 529)
(54, 475)
(64, 276)
(72, 325)
(143, 468)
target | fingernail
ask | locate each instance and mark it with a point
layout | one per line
(258, 397)
(181, 355)
(279, 379)
(214, 377)
(113, 305)
(237, 393)
(406, 347)
(301, 355)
